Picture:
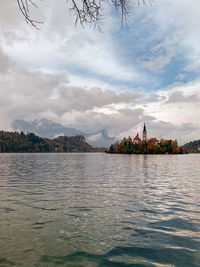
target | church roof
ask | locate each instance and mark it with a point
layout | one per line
(144, 130)
(137, 138)
(153, 139)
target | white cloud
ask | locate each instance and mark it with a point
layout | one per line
(178, 106)
(60, 46)
(27, 94)
(68, 74)
(162, 53)
(176, 23)
(94, 137)
(181, 76)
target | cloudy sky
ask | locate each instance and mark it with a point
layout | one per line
(115, 80)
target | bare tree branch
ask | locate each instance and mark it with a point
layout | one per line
(86, 11)
(24, 8)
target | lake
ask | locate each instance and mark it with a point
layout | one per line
(96, 209)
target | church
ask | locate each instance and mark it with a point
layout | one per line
(137, 140)
(145, 145)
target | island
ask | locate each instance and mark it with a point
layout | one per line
(145, 146)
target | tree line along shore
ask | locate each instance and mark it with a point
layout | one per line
(15, 142)
(20, 142)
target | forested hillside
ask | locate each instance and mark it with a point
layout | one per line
(21, 142)
(193, 147)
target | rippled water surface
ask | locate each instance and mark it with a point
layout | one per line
(99, 210)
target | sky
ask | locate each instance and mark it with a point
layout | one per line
(115, 79)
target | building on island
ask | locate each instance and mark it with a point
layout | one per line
(153, 140)
(144, 145)
(137, 140)
(144, 134)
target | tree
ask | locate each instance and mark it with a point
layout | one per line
(85, 11)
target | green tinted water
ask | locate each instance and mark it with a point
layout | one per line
(99, 210)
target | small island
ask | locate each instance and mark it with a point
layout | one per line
(145, 146)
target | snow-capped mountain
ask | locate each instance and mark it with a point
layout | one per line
(49, 129)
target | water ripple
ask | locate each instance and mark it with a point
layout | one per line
(95, 209)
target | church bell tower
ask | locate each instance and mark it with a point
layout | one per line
(144, 133)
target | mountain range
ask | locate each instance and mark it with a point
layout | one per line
(49, 129)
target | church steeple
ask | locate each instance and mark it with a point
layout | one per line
(144, 128)
(144, 133)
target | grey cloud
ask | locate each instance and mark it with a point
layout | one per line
(168, 130)
(9, 14)
(5, 62)
(22, 91)
(27, 94)
(189, 127)
(77, 98)
(179, 97)
(154, 98)
(114, 123)
(10, 36)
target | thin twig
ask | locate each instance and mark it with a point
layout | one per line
(24, 8)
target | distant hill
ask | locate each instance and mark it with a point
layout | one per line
(192, 147)
(49, 129)
(20, 142)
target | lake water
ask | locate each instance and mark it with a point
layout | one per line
(96, 209)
